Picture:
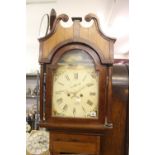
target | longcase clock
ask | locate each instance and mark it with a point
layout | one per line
(75, 85)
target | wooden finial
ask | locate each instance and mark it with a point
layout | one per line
(52, 18)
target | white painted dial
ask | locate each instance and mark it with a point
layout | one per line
(75, 89)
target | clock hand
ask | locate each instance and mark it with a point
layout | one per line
(80, 89)
(87, 85)
(75, 93)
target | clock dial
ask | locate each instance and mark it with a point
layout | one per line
(37, 142)
(75, 87)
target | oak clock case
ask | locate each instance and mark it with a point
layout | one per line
(74, 79)
(75, 85)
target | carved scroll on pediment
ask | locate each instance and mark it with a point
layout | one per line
(93, 17)
(76, 33)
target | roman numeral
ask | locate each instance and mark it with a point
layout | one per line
(65, 107)
(89, 102)
(67, 77)
(59, 92)
(93, 75)
(89, 84)
(92, 94)
(76, 76)
(59, 101)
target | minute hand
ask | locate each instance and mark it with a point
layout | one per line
(74, 93)
(87, 85)
(79, 89)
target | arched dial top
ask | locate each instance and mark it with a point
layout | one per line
(75, 86)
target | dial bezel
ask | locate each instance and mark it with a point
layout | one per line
(102, 71)
(73, 99)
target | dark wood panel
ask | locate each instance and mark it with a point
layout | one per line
(113, 143)
(116, 142)
(74, 143)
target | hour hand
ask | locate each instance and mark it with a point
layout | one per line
(78, 91)
(87, 85)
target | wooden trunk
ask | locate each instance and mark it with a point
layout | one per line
(116, 141)
(105, 135)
